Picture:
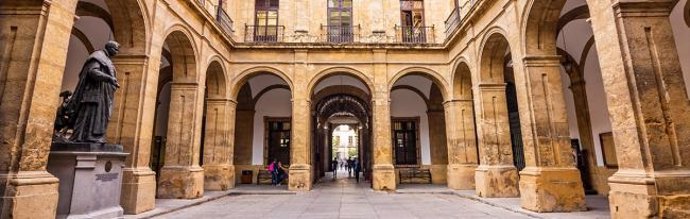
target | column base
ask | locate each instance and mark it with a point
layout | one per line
(219, 177)
(29, 194)
(545, 189)
(439, 174)
(461, 176)
(300, 177)
(138, 190)
(634, 195)
(496, 181)
(182, 182)
(383, 178)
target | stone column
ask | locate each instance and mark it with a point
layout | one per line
(181, 175)
(34, 38)
(550, 181)
(300, 150)
(650, 112)
(138, 180)
(300, 175)
(462, 144)
(439, 148)
(383, 171)
(496, 176)
(219, 171)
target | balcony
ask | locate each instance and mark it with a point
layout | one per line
(220, 15)
(414, 35)
(224, 21)
(264, 33)
(339, 34)
(458, 16)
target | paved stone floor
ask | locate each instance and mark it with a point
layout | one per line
(343, 198)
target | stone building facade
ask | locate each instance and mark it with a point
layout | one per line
(487, 75)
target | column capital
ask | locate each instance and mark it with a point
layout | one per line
(542, 61)
(648, 8)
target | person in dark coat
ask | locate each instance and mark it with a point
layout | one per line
(357, 168)
(91, 104)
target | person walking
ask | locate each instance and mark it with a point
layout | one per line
(358, 167)
(334, 166)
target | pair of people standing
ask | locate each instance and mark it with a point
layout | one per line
(277, 172)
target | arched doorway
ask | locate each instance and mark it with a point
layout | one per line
(341, 123)
(176, 150)
(217, 131)
(497, 175)
(263, 125)
(463, 154)
(418, 129)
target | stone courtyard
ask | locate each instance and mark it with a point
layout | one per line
(450, 108)
(344, 198)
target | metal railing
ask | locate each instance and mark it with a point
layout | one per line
(414, 35)
(457, 16)
(453, 21)
(224, 21)
(339, 34)
(221, 16)
(264, 33)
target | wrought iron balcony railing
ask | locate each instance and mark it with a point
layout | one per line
(457, 16)
(264, 33)
(224, 21)
(415, 35)
(340, 34)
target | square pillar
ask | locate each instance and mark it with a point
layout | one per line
(34, 38)
(383, 171)
(138, 180)
(496, 176)
(301, 173)
(551, 181)
(181, 176)
(462, 144)
(219, 171)
(650, 112)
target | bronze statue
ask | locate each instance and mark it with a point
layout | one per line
(88, 110)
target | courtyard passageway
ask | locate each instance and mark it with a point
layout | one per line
(344, 198)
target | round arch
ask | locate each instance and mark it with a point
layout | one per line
(240, 79)
(183, 55)
(492, 57)
(462, 81)
(216, 81)
(539, 26)
(334, 71)
(133, 20)
(434, 76)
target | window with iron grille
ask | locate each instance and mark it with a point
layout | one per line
(266, 21)
(339, 21)
(412, 21)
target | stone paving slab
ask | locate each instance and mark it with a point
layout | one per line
(343, 198)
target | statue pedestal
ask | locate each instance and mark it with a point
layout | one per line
(90, 179)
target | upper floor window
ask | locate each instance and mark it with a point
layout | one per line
(412, 21)
(339, 27)
(266, 20)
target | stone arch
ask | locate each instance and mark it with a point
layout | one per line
(183, 55)
(240, 79)
(216, 83)
(131, 24)
(493, 57)
(462, 81)
(541, 22)
(434, 76)
(326, 73)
